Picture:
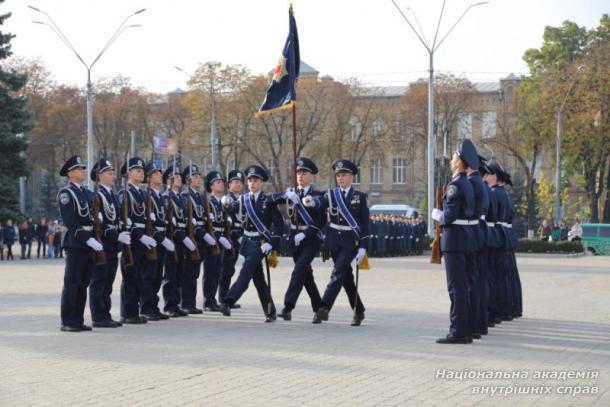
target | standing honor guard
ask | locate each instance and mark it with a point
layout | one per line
(306, 236)
(106, 204)
(137, 277)
(236, 185)
(347, 238)
(457, 241)
(173, 275)
(157, 222)
(80, 245)
(215, 253)
(262, 229)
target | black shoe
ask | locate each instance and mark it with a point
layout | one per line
(286, 314)
(235, 306)
(271, 318)
(134, 320)
(476, 336)
(323, 313)
(225, 310)
(66, 328)
(117, 322)
(497, 321)
(151, 317)
(357, 320)
(105, 324)
(85, 328)
(162, 316)
(173, 314)
(316, 319)
(182, 312)
(212, 308)
(193, 310)
(517, 315)
(484, 332)
(506, 318)
(455, 339)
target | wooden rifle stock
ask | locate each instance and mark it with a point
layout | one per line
(190, 229)
(229, 254)
(151, 254)
(127, 256)
(436, 253)
(170, 230)
(100, 257)
(215, 248)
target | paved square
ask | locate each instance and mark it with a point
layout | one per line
(560, 347)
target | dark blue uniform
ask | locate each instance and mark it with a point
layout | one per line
(343, 244)
(514, 279)
(252, 268)
(102, 279)
(74, 207)
(174, 271)
(457, 241)
(228, 269)
(192, 268)
(213, 262)
(306, 251)
(501, 307)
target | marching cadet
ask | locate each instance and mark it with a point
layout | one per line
(150, 304)
(200, 237)
(474, 262)
(75, 209)
(457, 240)
(137, 278)
(236, 185)
(215, 185)
(262, 228)
(173, 275)
(102, 279)
(347, 238)
(306, 236)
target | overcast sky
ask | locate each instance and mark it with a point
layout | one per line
(367, 39)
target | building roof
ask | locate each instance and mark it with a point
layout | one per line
(485, 87)
(304, 69)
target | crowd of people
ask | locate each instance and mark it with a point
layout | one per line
(560, 231)
(47, 233)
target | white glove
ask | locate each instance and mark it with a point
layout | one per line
(152, 217)
(266, 248)
(189, 244)
(226, 201)
(94, 244)
(360, 255)
(298, 238)
(308, 201)
(168, 244)
(124, 237)
(174, 221)
(240, 239)
(292, 196)
(148, 241)
(209, 239)
(437, 215)
(100, 217)
(225, 242)
(194, 221)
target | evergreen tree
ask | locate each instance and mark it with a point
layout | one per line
(13, 121)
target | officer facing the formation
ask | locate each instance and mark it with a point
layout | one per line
(176, 224)
(457, 241)
(347, 238)
(236, 185)
(75, 209)
(215, 186)
(137, 278)
(262, 228)
(306, 236)
(150, 303)
(102, 279)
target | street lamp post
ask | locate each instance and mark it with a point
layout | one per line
(431, 49)
(558, 148)
(55, 28)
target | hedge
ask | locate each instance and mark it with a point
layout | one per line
(539, 246)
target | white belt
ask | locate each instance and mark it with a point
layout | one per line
(199, 223)
(483, 218)
(502, 224)
(218, 229)
(87, 228)
(251, 234)
(139, 225)
(160, 228)
(340, 227)
(491, 224)
(509, 225)
(112, 227)
(181, 225)
(464, 222)
(236, 224)
(300, 227)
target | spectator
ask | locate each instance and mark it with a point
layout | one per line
(50, 239)
(56, 239)
(31, 236)
(1, 245)
(41, 237)
(564, 230)
(23, 238)
(544, 231)
(576, 231)
(8, 235)
(62, 231)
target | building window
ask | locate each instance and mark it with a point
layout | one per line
(376, 171)
(399, 170)
(357, 178)
(271, 167)
(377, 127)
(464, 126)
(355, 128)
(488, 128)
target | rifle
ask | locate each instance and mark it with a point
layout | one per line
(127, 256)
(169, 231)
(210, 227)
(229, 254)
(151, 253)
(100, 257)
(190, 228)
(436, 253)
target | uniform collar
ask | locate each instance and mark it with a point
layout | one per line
(304, 189)
(347, 190)
(256, 195)
(107, 188)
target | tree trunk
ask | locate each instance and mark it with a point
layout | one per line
(606, 218)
